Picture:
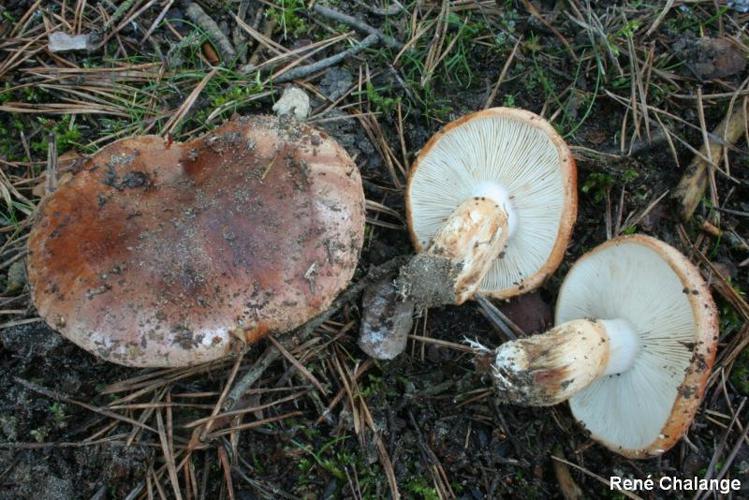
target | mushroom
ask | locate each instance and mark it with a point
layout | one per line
(170, 254)
(635, 342)
(491, 201)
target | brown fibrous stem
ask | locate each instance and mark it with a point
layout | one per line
(546, 369)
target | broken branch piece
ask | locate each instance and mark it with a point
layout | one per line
(692, 186)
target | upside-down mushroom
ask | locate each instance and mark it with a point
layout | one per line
(635, 342)
(167, 254)
(491, 202)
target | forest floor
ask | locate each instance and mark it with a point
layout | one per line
(636, 89)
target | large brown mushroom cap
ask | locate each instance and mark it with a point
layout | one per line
(161, 255)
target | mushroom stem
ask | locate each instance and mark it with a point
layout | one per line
(546, 369)
(451, 269)
(472, 238)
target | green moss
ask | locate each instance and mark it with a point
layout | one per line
(336, 457)
(508, 101)
(288, 14)
(40, 434)
(66, 133)
(740, 373)
(382, 103)
(597, 184)
(58, 414)
(420, 488)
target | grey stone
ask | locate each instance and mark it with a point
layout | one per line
(386, 321)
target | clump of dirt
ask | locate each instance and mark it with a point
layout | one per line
(28, 341)
(336, 82)
(428, 280)
(712, 58)
(67, 472)
(63, 467)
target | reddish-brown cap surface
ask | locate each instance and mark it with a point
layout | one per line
(163, 255)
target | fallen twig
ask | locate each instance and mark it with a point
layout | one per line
(569, 488)
(118, 14)
(692, 185)
(157, 21)
(391, 10)
(595, 476)
(177, 117)
(533, 11)
(658, 20)
(510, 330)
(207, 24)
(502, 74)
(266, 359)
(431, 462)
(238, 37)
(51, 178)
(308, 69)
(356, 23)
(58, 396)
